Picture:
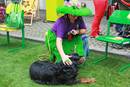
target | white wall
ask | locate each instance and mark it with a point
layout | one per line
(42, 4)
(89, 4)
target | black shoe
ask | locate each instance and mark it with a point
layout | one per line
(117, 46)
(100, 33)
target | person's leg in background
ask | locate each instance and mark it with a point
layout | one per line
(118, 28)
(100, 7)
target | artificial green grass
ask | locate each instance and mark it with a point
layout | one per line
(15, 63)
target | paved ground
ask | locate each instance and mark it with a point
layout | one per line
(38, 29)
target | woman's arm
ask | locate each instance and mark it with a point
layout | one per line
(65, 58)
(82, 31)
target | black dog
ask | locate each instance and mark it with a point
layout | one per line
(44, 72)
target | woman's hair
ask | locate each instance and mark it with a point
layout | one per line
(67, 18)
(77, 21)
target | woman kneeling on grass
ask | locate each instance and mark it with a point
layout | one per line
(65, 36)
(68, 35)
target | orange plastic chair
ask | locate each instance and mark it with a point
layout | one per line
(31, 9)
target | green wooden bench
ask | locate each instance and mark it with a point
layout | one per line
(120, 17)
(4, 27)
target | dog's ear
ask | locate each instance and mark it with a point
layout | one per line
(75, 56)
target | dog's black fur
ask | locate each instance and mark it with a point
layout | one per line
(44, 72)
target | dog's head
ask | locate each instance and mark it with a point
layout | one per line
(75, 58)
(66, 74)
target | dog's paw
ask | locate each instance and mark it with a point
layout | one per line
(87, 80)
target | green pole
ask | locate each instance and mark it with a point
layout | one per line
(106, 48)
(23, 38)
(8, 39)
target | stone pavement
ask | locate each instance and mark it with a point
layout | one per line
(38, 29)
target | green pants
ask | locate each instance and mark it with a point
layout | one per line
(69, 46)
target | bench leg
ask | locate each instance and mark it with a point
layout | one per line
(23, 39)
(8, 38)
(106, 50)
(123, 68)
(103, 58)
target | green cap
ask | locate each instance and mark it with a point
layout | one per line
(82, 11)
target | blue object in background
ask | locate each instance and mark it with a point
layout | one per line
(85, 45)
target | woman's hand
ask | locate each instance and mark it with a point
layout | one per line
(66, 60)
